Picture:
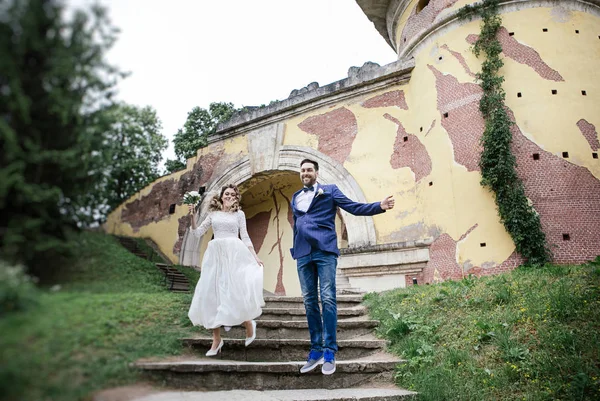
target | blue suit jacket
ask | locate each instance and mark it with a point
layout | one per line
(315, 228)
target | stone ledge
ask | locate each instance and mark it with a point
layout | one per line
(368, 78)
(387, 247)
(385, 266)
(384, 270)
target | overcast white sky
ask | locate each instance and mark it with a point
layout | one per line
(186, 53)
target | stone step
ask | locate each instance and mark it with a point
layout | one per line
(343, 301)
(179, 286)
(298, 329)
(300, 314)
(208, 375)
(314, 394)
(178, 279)
(283, 349)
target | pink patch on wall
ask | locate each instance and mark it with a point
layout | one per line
(258, 226)
(589, 132)
(442, 258)
(184, 223)
(388, 99)
(523, 54)
(458, 104)
(155, 206)
(409, 152)
(336, 131)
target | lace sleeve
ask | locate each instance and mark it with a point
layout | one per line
(243, 230)
(203, 228)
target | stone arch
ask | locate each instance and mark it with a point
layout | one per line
(360, 229)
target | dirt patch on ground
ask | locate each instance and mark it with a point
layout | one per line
(125, 393)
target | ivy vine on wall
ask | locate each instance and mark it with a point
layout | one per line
(497, 162)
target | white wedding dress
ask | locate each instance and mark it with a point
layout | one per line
(230, 289)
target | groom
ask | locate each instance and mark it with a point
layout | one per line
(315, 250)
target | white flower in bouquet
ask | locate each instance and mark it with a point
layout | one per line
(192, 198)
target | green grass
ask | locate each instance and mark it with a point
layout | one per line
(111, 309)
(531, 334)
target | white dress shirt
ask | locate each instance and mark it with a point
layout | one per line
(304, 199)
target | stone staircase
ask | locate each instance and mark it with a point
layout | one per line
(269, 368)
(174, 280)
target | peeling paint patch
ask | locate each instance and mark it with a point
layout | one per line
(388, 99)
(155, 206)
(258, 226)
(442, 259)
(409, 152)
(458, 103)
(183, 223)
(336, 131)
(589, 132)
(523, 54)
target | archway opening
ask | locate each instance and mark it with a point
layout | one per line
(266, 201)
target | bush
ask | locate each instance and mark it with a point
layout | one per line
(17, 289)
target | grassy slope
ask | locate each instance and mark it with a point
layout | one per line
(529, 334)
(112, 310)
(532, 334)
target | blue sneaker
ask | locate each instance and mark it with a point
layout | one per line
(314, 358)
(329, 364)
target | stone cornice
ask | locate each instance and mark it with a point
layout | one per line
(388, 247)
(377, 11)
(370, 77)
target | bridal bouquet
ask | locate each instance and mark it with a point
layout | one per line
(192, 198)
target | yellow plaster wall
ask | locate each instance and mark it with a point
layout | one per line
(455, 202)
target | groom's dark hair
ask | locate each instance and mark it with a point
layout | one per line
(310, 161)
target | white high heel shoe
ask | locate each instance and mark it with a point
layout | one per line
(250, 339)
(213, 352)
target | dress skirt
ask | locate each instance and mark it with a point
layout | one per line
(230, 289)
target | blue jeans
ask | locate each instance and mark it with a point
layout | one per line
(316, 269)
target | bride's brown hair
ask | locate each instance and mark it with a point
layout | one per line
(216, 202)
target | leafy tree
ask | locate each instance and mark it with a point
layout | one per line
(54, 82)
(194, 135)
(132, 151)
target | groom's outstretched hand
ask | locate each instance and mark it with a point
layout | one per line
(388, 203)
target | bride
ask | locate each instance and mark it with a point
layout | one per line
(230, 289)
